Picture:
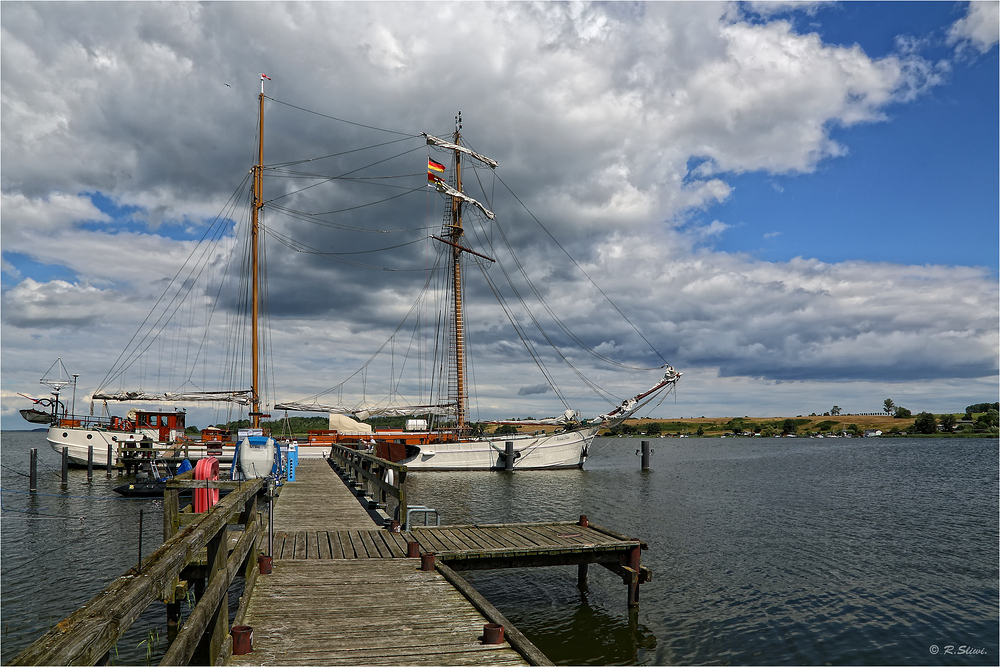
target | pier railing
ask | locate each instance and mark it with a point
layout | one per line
(87, 636)
(369, 475)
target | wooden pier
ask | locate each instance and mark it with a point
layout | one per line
(343, 592)
(330, 578)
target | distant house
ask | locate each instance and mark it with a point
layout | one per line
(872, 433)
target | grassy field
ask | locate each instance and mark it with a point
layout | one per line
(820, 424)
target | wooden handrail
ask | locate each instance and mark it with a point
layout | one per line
(369, 473)
(88, 634)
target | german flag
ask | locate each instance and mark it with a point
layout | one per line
(431, 178)
(434, 166)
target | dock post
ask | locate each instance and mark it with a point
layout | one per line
(508, 458)
(633, 584)
(110, 459)
(270, 520)
(645, 454)
(581, 575)
(33, 471)
(90, 464)
(65, 468)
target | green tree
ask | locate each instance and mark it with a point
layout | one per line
(506, 429)
(902, 413)
(925, 423)
(788, 426)
(889, 406)
(835, 411)
(948, 422)
(701, 431)
(654, 428)
(989, 420)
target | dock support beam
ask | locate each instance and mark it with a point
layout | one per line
(645, 454)
(90, 464)
(508, 457)
(33, 471)
(633, 584)
(110, 459)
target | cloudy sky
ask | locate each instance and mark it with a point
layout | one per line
(794, 204)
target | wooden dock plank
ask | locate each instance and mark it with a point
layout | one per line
(461, 541)
(336, 547)
(371, 612)
(429, 542)
(301, 550)
(318, 499)
(323, 544)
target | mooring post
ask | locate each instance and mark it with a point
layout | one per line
(90, 464)
(633, 584)
(508, 458)
(33, 471)
(581, 575)
(645, 454)
(65, 468)
(109, 459)
(138, 568)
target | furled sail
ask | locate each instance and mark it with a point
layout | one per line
(241, 397)
(444, 188)
(630, 405)
(444, 409)
(443, 143)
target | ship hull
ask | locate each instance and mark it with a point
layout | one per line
(77, 440)
(543, 452)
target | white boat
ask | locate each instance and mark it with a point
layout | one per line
(256, 456)
(445, 438)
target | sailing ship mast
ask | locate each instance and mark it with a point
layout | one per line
(455, 235)
(258, 204)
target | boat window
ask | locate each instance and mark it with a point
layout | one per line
(152, 420)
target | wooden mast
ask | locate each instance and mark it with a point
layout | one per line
(258, 204)
(456, 258)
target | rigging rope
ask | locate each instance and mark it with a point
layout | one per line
(577, 265)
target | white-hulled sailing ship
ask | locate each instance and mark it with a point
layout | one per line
(437, 432)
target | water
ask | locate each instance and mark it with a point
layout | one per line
(777, 551)
(60, 548)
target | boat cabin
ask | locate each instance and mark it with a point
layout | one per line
(169, 426)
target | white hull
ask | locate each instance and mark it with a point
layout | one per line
(543, 452)
(77, 440)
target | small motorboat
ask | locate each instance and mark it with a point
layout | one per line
(151, 484)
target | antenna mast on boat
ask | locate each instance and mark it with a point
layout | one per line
(258, 203)
(455, 235)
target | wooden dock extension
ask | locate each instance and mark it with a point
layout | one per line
(372, 612)
(346, 589)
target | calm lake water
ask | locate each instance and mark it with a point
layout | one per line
(764, 551)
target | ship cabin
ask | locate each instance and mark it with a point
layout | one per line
(169, 426)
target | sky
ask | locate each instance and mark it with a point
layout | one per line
(794, 204)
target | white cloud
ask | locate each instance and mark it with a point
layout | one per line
(979, 28)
